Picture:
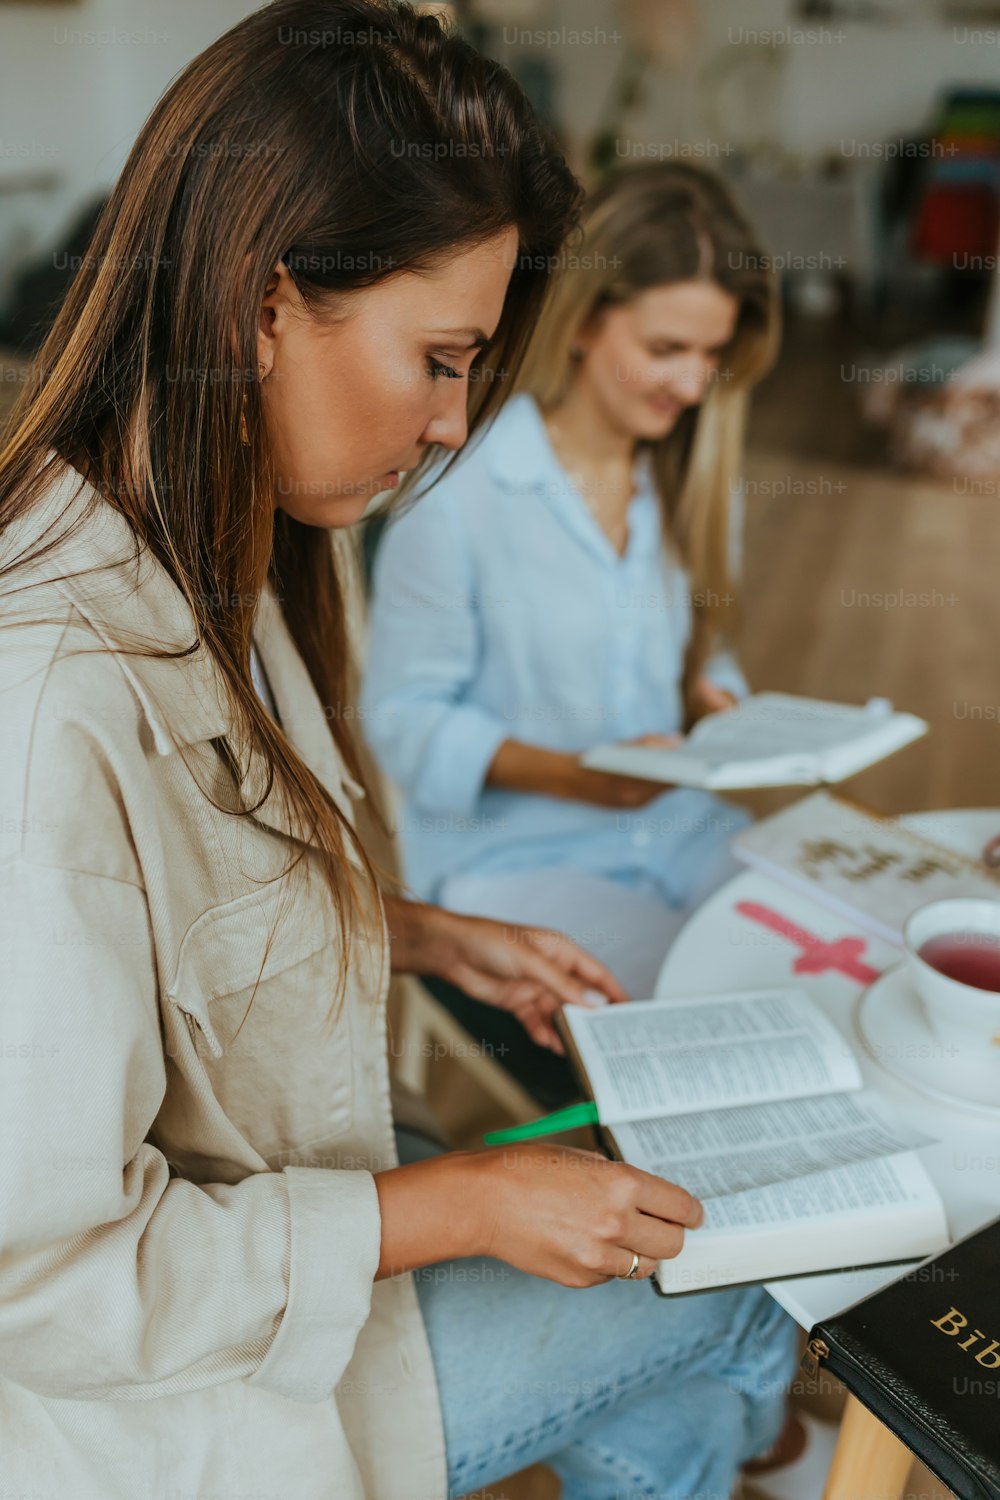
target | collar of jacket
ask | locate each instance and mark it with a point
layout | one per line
(130, 600)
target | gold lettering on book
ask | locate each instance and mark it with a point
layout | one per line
(868, 860)
(954, 1322)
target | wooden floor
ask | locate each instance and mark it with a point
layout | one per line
(860, 583)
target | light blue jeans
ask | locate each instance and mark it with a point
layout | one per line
(626, 1395)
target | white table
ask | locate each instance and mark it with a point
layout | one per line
(720, 949)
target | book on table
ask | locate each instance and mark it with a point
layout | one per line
(754, 1102)
(871, 870)
(923, 1354)
(770, 739)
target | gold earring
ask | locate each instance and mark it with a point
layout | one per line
(244, 433)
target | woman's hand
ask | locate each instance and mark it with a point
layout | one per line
(571, 1216)
(608, 789)
(707, 698)
(576, 1217)
(530, 971)
(558, 773)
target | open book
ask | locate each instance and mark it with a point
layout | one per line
(754, 1102)
(770, 739)
(869, 869)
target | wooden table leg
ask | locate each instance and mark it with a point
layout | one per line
(869, 1462)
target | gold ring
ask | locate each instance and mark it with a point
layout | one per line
(630, 1273)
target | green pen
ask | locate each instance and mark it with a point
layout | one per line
(560, 1119)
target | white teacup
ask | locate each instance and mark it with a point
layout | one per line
(961, 1015)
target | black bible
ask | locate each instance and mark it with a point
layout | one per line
(923, 1355)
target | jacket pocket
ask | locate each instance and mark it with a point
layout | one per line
(258, 978)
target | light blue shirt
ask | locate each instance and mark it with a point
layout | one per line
(501, 610)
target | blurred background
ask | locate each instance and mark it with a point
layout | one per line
(863, 139)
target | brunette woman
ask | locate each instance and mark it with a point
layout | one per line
(217, 1278)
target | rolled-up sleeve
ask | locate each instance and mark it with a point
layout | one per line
(423, 653)
(118, 1279)
(724, 671)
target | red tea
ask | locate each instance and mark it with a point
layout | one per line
(968, 957)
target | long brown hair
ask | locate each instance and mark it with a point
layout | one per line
(354, 139)
(646, 227)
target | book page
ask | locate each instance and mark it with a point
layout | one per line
(855, 1189)
(769, 725)
(733, 1150)
(770, 739)
(866, 1213)
(674, 1057)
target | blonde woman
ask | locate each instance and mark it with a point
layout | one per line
(570, 582)
(218, 1278)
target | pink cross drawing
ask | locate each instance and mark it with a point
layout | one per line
(817, 957)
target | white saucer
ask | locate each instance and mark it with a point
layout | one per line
(891, 1023)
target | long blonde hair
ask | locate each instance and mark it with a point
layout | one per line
(288, 138)
(646, 227)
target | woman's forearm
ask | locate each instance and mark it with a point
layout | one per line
(413, 930)
(425, 939)
(430, 1212)
(518, 767)
(548, 1209)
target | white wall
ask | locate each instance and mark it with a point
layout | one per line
(79, 79)
(867, 82)
(77, 82)
(874, 83)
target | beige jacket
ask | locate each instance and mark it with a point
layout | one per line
(189, 1227)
